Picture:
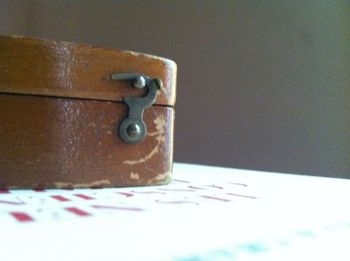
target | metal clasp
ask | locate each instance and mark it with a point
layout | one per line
(133, 129)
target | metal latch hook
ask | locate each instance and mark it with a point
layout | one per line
(133, 129)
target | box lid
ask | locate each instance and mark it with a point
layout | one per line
(61, 69)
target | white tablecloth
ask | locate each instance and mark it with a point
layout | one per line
(206, 213)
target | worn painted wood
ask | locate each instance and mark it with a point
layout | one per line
(60, 131)
(43, 67)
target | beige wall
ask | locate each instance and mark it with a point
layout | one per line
(261, 85)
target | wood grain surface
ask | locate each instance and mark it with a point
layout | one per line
(59, 115)
(65, 143)
(50, 68)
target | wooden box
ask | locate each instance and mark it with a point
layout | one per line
(62, 106)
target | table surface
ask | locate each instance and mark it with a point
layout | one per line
(206, 213)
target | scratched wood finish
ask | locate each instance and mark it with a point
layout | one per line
(63, 143)
(59, 119)
(43, 67)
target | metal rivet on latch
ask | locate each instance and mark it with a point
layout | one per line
(133, 129)
(139, 82)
